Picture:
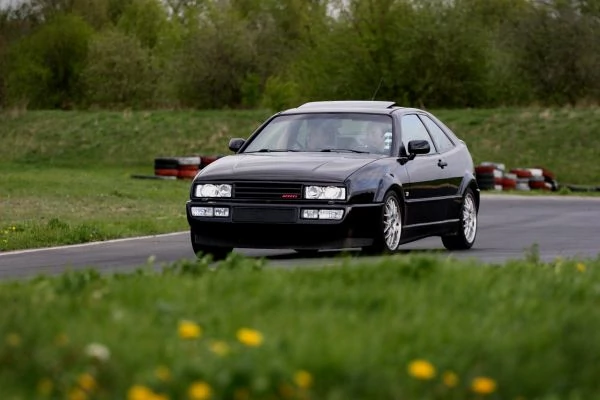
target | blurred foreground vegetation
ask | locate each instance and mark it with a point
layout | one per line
(407, 326)
(277, 53)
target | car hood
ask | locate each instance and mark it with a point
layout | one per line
(326, 167)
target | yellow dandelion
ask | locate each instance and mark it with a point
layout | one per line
(140, 392)
(86, 382)
(250, 337)
(450, 379)
(199, 391)
(303, 379)
(45, 387)
(219, 347)
(581, 267)
(13, 340)
(189, 330)
(483, 385)
(421, 369)
(162, 373)
(77, 394)
(241, 394)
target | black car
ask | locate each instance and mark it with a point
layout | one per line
(336, 175)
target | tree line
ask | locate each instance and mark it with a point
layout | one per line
(66, 54)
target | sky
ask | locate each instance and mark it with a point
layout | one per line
(4, 3)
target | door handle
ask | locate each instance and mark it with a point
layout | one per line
(442, 164)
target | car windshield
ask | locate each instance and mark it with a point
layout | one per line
(326, 132)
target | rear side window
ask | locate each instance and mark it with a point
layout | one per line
(413, 129)
(442, 142)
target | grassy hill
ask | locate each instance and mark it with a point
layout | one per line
(564, 140)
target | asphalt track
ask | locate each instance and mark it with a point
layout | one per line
(508, 227)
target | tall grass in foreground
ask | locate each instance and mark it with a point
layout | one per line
(406, 327)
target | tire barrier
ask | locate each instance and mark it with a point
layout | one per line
(186, 167)
(172, 168)
(166, 166)
(494, 176)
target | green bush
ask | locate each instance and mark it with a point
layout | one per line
(214, 60)
(145, 20)
(44, 68)
(216, 54)
(280, 93)
(119, 72)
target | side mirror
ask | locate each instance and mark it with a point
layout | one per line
(418, 147)
(236, 144)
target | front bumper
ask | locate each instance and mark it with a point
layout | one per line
(280, 226)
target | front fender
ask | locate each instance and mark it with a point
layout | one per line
(370, 183)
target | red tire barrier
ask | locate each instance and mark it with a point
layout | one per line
(485, 169)
(207, 160)
(521, 172)
(188, 167)
(187, 173)
(166, 172)
(493, 176)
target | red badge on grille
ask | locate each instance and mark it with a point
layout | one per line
(289, 196)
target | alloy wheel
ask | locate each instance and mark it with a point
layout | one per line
(392, 223)
(469, 214)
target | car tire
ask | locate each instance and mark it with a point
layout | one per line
(217, 253)
(389, 232)
(464, 237)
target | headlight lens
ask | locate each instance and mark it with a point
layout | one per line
(324, 193)
(212, 190)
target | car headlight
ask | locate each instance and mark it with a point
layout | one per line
(324, 193)
(213, 190)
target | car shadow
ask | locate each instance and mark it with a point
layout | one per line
(351, 253)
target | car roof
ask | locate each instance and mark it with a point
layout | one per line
(355, 106)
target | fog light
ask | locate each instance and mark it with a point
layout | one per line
(310, 214)
(331, 214)
(221, 212)
(322, 214)
(202, 211)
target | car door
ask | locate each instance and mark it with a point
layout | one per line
(455, 169)
(425, 195)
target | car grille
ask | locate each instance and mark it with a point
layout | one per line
(267, 191)
(264, 215)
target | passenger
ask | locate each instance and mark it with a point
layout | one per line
(322, 137)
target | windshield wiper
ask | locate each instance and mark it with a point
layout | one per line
(344, 150)
(270, 151)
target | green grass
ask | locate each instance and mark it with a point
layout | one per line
(66, 176)
(42, 207)
(354, 328)
(105, 138)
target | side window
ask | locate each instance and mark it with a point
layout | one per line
(413, 129)
(439, 137)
